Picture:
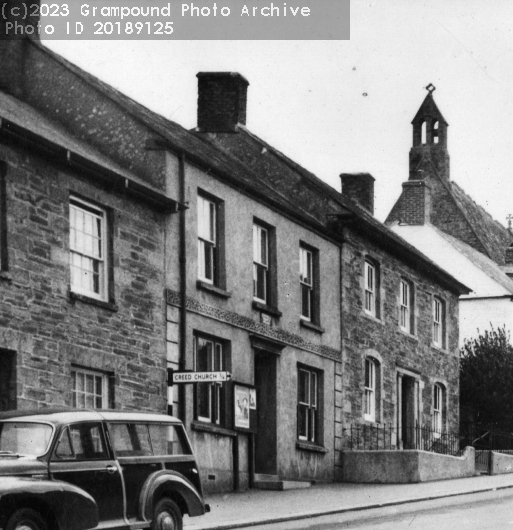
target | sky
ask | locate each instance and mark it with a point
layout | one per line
(346, 106)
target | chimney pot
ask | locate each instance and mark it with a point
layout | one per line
(360, 188)
(222, 98)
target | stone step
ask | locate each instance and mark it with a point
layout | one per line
(272, 482)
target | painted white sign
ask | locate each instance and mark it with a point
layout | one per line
(201, 377)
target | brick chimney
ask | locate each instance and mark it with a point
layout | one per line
(222, 100)
(360, 188)
(13, 45)
(415, 203)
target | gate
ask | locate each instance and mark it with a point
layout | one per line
(483, 461)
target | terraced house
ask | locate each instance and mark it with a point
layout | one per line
(133, 248)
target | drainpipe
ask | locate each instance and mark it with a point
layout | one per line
(183, 289)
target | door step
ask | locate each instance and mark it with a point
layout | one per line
(273, 482)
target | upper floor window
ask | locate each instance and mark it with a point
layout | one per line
(369, 411)
(207, 240)
(210, 397)
(88, 249)
(406, 306)
(90, 389)
(260, 263)
(306, 280)
(438, 322)
(371, 290)
(308, 405)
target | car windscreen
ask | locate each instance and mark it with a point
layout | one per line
(24, 438)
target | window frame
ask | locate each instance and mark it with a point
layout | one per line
(439, 417)
(106, 400)
(371, 294)
(258, 230)
(406, 306)
(103, 295)
(313, 287)
(312, 407)
(216, 391)
(204, 242)
(370, 389)
(438, 322)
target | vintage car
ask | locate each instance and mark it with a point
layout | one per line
(77, 469)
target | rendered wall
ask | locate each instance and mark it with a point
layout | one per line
(393, 467)
(501, 463)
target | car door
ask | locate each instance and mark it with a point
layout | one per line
(132, 447)
(81, 457)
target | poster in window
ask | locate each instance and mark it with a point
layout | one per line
(241, 406)
(252, 399)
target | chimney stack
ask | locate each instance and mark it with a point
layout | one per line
(360, 188)
(415, 203)
(222, 100)
(509, 255)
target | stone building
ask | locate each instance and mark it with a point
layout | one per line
(398, 310)
(435, 215)
(130, 245)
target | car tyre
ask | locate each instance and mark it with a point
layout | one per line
(25, 519)
(166, 516)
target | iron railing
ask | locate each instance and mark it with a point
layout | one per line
(364, 437)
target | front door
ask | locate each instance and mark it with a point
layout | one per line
(81, 458)
(407, 388)
(266, 435)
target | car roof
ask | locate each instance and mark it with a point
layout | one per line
(60, 416)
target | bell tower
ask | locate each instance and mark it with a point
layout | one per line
(429, 141)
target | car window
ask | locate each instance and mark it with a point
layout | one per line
(81, 441)
(169, 440)
(63, 449)
(24, 438)
(130, 439)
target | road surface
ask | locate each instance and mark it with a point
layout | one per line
(481, 511)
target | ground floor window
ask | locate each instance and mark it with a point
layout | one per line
(90, 389)
(438, 408)
(308, 404)
(210, 397)
(369, 405)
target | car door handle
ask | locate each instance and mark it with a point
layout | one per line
(111, 470)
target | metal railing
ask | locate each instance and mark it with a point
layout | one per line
(364, 437)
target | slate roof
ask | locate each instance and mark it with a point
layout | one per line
(297, 193)
(494, 237)
(313, 194)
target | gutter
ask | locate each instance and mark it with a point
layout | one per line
(498, 297)
(108, 178)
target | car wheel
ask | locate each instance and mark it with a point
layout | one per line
(25, 519)
(166, 516)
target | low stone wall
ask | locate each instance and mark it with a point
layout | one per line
(501, 463)
(408, 466)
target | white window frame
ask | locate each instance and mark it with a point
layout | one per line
(80, 255)
(207, 239)
(370, 288)
(80, 397)
(260, 261)
(306, 281)
(438, 405)
(369, 410)
(405, 306)
(215, 363)
(310, 406)
(438, 322)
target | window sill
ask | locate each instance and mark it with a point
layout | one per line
(373, 318)
(409, 335)
(205, 286)
(93, 301)
(213, 429)
(309, 325)
(266, 309)
(4, 275)
(309, 446)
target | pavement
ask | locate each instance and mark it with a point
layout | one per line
(254, 507)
